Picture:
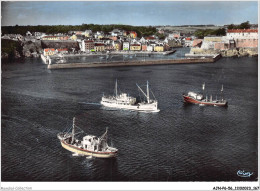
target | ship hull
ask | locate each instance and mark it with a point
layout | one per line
(143, 107)
(188, 99)
(87, 152)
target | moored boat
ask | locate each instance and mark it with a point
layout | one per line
(124, 101)
(90, 145)
(198, 98)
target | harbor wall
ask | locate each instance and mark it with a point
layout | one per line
(236, 52)
(135, 63)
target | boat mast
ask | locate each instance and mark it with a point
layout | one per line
(73, 131)
(142, 91)
(148, 98)
(116, 88)
(222, 89)
(203, 87)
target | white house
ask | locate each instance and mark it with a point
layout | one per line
(126, 45)
(150, 48)
(242, 34)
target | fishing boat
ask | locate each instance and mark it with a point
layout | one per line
(198, 98)
(124, 101)
(90, 145)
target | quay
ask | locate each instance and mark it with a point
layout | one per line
(135, 63)
(139, 53)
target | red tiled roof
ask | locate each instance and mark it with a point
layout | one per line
(241, 30)
(99, 44)
(49, 49)
(150, 38)
(188, 38)
(62, 49)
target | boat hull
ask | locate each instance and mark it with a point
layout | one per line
(87, 152)
(143, 107)
(188, 99)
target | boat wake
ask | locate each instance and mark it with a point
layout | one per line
(76, 155)
(87, 103)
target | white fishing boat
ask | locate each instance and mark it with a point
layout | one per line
(124, 101)
(90, 145)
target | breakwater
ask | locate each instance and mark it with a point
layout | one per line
(135, 63)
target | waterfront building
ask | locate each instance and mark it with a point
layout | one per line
(99, 47)
(135, 47)
(222, 46)
(144, 47)
(244, 38)
(209, 42)
(117, 45)
(150, 48)
(159, 48)
(242, 33)
(89, 45)
(109, 47)
(246, 43)
(126, 45)
(49, 51)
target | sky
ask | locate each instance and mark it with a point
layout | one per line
(137, 13)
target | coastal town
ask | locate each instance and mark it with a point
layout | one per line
(236, 42)
(137, 95)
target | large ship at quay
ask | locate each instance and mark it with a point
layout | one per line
(198, 98)
(90, 145)
(124, 101)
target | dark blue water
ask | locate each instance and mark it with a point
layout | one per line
(180, 143)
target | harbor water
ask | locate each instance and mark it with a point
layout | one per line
(180, 143)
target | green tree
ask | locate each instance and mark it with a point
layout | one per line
(245, 25)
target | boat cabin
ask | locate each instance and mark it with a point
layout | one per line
(195, 95)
